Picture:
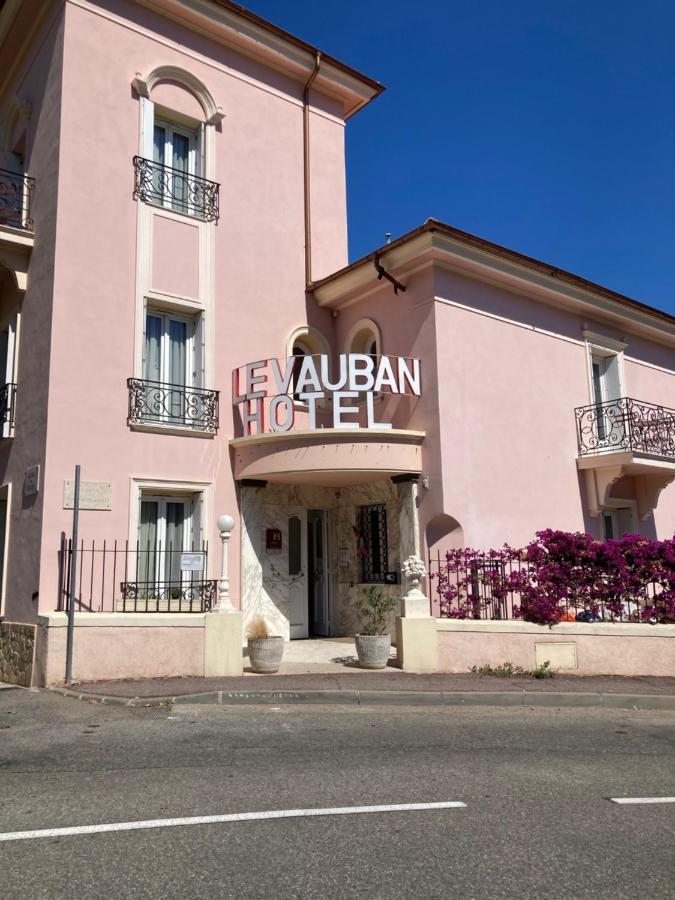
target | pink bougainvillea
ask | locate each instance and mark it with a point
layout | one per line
(561, 576)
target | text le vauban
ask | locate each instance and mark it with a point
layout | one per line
(280, 385)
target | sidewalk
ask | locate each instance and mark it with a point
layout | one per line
(389, 687)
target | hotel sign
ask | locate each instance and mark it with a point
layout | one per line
(270, 391)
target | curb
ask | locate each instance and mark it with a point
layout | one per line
(391, 698)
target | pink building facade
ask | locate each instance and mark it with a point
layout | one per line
(180, 319)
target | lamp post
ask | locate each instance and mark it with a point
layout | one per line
(225, 526)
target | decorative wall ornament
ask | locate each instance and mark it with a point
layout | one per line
(143, 85)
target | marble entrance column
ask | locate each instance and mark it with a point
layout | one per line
(408, 520)
(252, 550)
(416, 635)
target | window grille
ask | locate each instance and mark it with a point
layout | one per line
(373, 543)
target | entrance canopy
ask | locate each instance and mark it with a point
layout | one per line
(328, 456)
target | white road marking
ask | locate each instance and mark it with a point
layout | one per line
(231, 817)
(642, 799)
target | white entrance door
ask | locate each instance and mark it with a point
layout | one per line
(298, 607)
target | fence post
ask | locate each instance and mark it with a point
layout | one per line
(73, 582)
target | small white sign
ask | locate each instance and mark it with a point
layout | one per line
(192, 562)
(31, 481)
(93, 495)
(343, 556)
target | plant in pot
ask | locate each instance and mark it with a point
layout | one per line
(373, 641)
(264, 650)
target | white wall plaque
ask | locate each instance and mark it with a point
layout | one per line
(31, 481)
(192, 562)
(93, 495)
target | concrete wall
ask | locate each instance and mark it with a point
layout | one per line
(589, 649)
(120, 646)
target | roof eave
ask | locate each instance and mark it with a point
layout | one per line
(436, 242)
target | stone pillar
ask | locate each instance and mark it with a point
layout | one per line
(416, 636)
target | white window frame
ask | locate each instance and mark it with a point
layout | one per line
(599, 346)
(193, 167)
(165, 343)
(9, 375)
(198, 491)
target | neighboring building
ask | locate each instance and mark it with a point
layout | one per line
(172, 210)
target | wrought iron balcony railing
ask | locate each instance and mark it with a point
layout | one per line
(157, 403)
(626, 424)
(15, 197)
(175, 189)
(7, 401)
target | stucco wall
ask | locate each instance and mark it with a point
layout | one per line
(118, 646)
(257, 261)
(38, 83)
(615, 649)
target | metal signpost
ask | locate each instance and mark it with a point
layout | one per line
(73, 580)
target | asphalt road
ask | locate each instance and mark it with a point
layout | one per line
(535, 782)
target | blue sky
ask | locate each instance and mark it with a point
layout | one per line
(548, 127)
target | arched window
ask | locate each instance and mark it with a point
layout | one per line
(304, 341)
(175, 165)
(364, 337)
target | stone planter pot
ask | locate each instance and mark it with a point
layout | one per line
(265, 655)
(373, 650)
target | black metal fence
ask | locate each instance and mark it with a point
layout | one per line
(626, 424)
(175, 189)
(156, 403)
(488, 586)
(116, 576)
(15, 199)
(474, 588)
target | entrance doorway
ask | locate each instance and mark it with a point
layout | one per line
(308, 595)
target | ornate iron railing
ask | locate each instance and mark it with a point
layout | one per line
(166, 596)
(15, 199)
(157, 403)
(626, 424)
(116, 576)
(181, 191)
(7, 401)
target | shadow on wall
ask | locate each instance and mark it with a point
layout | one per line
(443, 533)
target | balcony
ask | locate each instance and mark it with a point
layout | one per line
(626, 424)
(16, 225)
(626, 438)
(177, 190)
(165, 406)
(15, 200)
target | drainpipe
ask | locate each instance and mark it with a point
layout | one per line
(306, 156)
(382, 273)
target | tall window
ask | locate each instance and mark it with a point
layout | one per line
(168, 349)
(175, 148)
(167, 527)
(7, 386)
(372, 543)
(606, 388)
